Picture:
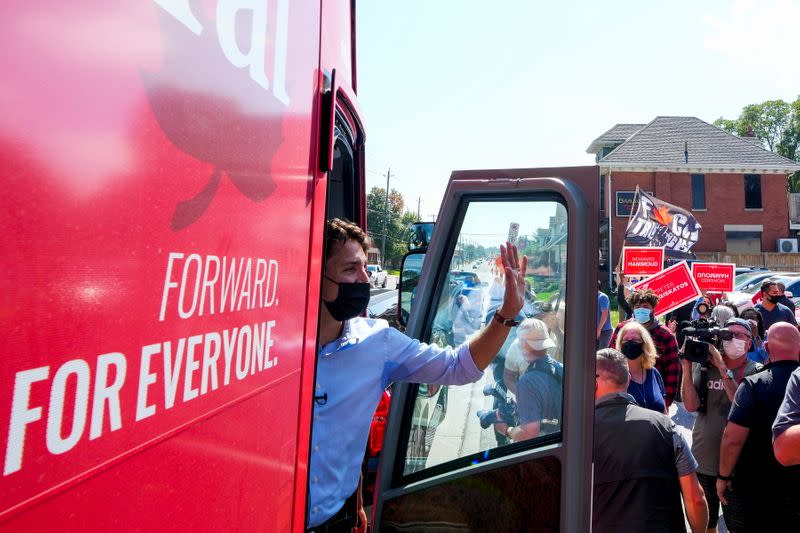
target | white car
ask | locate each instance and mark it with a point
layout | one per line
(377, 276)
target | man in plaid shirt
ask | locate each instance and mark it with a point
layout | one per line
(668, 364)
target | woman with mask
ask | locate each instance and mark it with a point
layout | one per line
(757, 352)
(643, 304)
(646, 385)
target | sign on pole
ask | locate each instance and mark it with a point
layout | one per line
(642, 260)
(714, 277)
(674, 286)
(513, 231)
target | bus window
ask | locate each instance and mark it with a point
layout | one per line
(343, 198)
(521, 395)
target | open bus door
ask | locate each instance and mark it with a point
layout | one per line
(459, 475)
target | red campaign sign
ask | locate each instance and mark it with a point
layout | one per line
(642, 260)
(674, 286)
(714, 277)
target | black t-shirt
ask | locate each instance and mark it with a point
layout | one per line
(755, 406)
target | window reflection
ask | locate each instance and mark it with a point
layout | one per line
(522, 389)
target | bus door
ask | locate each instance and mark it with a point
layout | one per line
(454, 470)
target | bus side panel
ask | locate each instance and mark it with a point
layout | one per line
(156, 218)
(227, 473)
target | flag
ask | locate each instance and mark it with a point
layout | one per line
(657, 223)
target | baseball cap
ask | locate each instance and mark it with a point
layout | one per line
(739, 322)
(534, 332)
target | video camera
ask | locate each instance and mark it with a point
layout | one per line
(506, 411)
(700, 334)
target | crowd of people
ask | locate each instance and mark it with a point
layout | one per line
(744, 386)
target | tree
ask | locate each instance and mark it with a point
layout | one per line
(397, 222)
(775, 123)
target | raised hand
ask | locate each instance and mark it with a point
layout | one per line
(515, 269)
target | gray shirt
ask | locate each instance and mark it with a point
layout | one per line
(708, 427)
(789, 413)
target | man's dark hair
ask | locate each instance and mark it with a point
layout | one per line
(645, 296)
(766, 284)
(339, 231)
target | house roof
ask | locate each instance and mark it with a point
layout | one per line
(688, 144)
(616, 135)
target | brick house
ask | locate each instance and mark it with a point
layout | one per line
(734, 187)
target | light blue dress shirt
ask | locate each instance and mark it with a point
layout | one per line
(353, 371)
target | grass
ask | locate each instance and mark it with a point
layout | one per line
(614, 317)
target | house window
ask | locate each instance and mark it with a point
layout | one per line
(752, 191)
(698, 191)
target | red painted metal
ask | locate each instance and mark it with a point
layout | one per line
(147, 148)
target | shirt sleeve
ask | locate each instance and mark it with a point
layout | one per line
(613, 342)
(789, 412)
(604, 303)
(659, 382)
(743, 407)
(408, 359)
(529, 400)
(623, 304)
(684, 460)
(671, 367)
(790, 317)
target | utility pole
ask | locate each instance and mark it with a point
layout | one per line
(419, 200)
(385, 218)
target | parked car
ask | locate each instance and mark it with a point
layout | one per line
(377, 276)
(753, 284)
(743, 299)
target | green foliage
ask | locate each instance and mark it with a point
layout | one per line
(776, 123)
(397, 222)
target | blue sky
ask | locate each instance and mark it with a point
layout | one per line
(448, 85)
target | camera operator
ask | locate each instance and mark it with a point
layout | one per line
(708, 389)
(539, 389)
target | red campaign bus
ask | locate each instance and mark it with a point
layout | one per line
(169, 165)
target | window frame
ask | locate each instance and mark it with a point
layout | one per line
(749, 198)
(698, 196)
(541, 442)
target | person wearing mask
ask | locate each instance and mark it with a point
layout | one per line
(539, 390)
(668, 365)
(604, 329)
(642, 464)
(757, 352)
(747, 462)
(770, 308)
(646, 385)
(784, 300)
(708, 390)
(349, 345)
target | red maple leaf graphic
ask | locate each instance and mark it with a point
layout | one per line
(662, 216)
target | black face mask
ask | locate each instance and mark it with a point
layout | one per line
(773, 299)
(350, 302)
(632, 349)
